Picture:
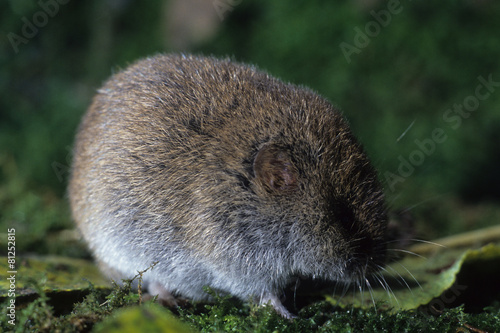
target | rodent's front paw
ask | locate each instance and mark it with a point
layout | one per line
(275, 302)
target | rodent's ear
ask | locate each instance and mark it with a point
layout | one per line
(274, 170)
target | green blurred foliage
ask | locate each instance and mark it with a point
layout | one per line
(427, 58)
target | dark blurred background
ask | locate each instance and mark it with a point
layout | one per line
(410, 76)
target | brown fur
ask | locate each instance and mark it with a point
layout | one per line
(227, 177)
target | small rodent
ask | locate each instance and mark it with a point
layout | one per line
(225, 176)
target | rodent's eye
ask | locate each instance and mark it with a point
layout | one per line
(274, 170)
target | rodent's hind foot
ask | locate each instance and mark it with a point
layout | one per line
(275, 302)
(165, 297)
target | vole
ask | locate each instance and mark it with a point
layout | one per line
(225, 176)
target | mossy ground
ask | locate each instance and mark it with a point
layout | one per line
(99, 310)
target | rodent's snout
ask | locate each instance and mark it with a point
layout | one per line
(366, 244)
(370, 251)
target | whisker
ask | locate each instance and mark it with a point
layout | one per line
(345, 288)
(413, 240)
(400, 278)
(421, 203)
(413, 277)
(295, 292)
(427, 242)
(392, 292)
(371, 294)
(408, 252)
(335, 288)
(383, 284)
(362, 292)
(406, 130)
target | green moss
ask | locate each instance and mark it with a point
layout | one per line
(120, 308)
(228, 315)
(39, 314)
(55, 274)
(150, 317)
